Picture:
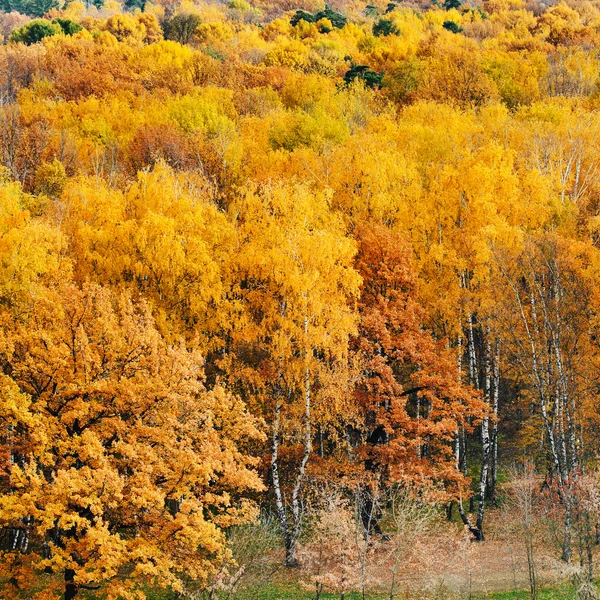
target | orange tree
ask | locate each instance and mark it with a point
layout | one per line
(409, 393)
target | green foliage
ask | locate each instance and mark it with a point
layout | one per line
(371, 78)
(451, 26)
(288, 589)
(38, 8)
(31, 8)
(391, 7)
(337, 19)
(450, 4)
(181, 28)
(561, 592)
(302, 15)
(371, 11)
(133, 4)
(35, 31)
(385, 27)
(68, 27)
(11, 5)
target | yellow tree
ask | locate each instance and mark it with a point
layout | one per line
(30, 249)
(163, 237)
(119, 469)
(294, 286)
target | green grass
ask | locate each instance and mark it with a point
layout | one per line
(561, 592)
(295, 592)
(292, 591)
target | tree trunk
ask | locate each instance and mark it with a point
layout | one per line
(297, 511)
(279, 502)
(476, 533)
(70, 586)
(485, 439)
(533, 587)
(460, 442)
(474, 380)
(291, 560)
(291, 530)
(493, 480)
(473, 529)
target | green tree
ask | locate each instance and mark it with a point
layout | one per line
(68, 27)
(385, 27)
(451, 26)
(133, 4)
(35, 31)
(371, 78)
(302, 15)
(181, 28)
(450, 4)
(31, 8)
(337, 19)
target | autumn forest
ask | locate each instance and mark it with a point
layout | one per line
(299, 301)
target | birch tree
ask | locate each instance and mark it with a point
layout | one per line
(547, 322)
(294, 285)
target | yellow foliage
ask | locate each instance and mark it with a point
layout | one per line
(118, 429)
(291, 54)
